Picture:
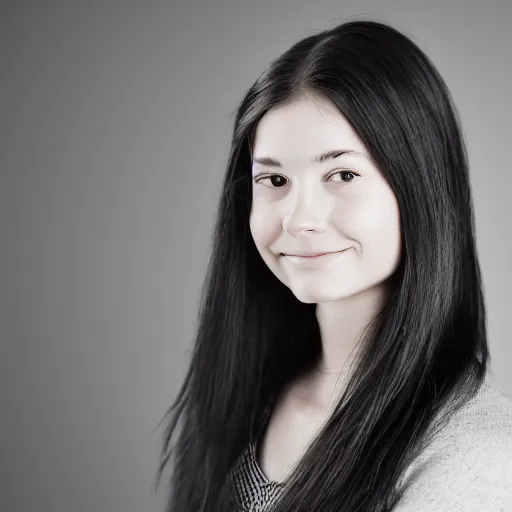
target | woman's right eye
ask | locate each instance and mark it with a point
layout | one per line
(277, 180)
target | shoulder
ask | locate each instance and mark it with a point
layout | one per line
(468, 464)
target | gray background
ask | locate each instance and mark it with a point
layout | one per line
(115, 125)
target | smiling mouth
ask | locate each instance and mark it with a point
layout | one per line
(312, 256)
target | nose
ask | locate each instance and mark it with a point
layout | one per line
(308, 212)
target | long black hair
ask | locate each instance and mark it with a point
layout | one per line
(428, 352)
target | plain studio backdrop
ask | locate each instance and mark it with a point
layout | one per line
(115, 126)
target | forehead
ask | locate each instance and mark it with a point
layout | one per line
(308, 126)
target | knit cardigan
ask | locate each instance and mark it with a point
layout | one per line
(467, 467)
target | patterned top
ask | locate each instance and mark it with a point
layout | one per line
(249, 489)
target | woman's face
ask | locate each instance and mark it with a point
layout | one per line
(341, 205)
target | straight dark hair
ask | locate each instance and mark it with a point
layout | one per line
(427, 353)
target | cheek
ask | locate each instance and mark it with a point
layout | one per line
(264, 225)
(372, 221)
(380, 223)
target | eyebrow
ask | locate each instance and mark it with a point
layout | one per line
(329, 155)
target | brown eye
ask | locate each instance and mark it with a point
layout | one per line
(344, 174)
(276, 180)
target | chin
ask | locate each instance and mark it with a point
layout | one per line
(318, 296)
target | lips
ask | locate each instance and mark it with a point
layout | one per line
(309, 255)
(311, 261)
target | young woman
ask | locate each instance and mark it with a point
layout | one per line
(341, 360)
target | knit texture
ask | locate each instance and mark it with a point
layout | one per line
(467, 466)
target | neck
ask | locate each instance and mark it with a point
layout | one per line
(342, 328)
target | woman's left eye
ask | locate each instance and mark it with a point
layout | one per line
(344, 173)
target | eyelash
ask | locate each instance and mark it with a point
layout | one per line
(258, 179)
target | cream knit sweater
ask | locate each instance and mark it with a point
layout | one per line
(468, 465)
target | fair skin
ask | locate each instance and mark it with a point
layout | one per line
(342, 205)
